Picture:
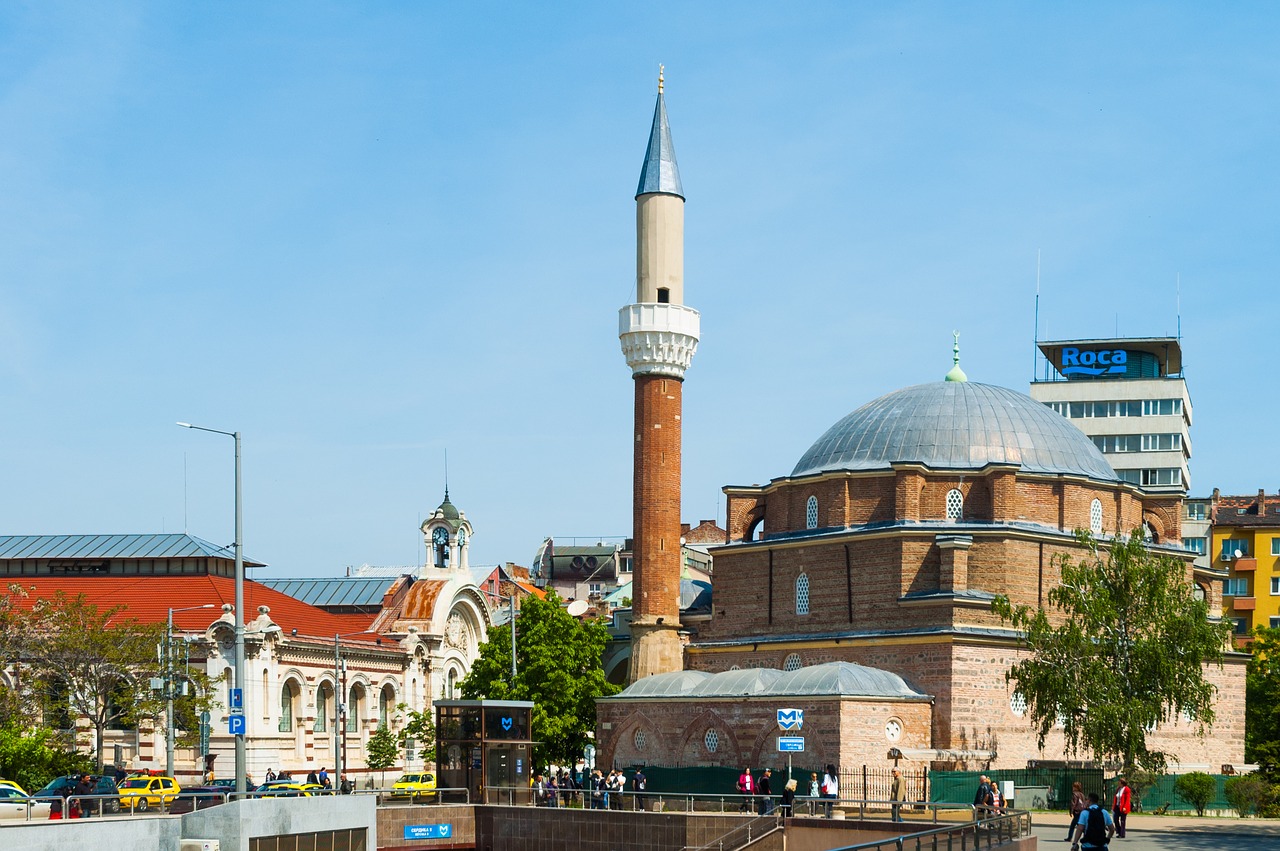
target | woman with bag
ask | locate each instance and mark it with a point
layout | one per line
(830, 788)
(1077, 806)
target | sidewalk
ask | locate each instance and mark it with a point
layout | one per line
(1142, 823)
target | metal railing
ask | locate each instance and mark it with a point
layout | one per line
(742, 834)
(987, 832)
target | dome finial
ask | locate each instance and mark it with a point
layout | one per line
(660, 68)
(956, 373)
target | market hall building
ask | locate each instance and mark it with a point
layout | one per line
(883, 550)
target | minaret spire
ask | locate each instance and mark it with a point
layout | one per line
(956, 373)
(659, 335)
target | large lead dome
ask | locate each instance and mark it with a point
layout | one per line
(955, 425)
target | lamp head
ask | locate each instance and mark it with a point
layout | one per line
(185, 425)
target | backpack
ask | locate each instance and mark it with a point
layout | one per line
(1095, 827)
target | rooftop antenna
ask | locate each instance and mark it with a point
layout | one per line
(1035, 336)
(660, 69)
(1179, 307)
(446, 474)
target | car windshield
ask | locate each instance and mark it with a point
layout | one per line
(136, 783)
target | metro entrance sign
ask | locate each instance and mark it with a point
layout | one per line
(791, 744)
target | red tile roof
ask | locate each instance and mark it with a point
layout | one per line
(148, 598)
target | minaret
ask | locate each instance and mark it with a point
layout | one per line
(659, 336)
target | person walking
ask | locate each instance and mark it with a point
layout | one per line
(897, 794)
(269, 776)
(1077, 806)
(638, 782)
(764, 792)
(815, 791)
(1095, 828)
(1120, 806)
(982, 796)
(746, 788)
(789, 797)
(323, 777)
(830, 788)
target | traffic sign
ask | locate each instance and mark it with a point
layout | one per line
(790, 719)
(236, 699)
(236, 725)
(791, 744)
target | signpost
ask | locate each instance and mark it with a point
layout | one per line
(790, 720)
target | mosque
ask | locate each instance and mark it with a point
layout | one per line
(858, 587)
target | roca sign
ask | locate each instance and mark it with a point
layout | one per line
(1093, 362)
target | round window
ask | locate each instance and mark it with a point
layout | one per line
(792, 663)
(893, 729)
(711, 740)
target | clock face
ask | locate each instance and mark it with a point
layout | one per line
(462, 537)
(440, 536)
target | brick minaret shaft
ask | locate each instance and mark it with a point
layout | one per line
(659, 335)
(656, 582)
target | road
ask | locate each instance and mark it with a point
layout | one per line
(1171, 833)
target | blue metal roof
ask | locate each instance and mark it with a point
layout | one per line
(113, 546)
(660, 172)
(335, 591)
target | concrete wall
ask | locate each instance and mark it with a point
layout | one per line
(232, 824)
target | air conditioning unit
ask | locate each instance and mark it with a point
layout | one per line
(1226, 557)
(199, 845)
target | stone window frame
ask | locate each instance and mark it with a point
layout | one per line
(955, 504)
(1095, 517)
(811, 513)
(893, 729)
(802, 594)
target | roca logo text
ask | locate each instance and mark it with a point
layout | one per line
(1090, 362)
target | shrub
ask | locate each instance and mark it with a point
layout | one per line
(1197, 789)
(1248, 794)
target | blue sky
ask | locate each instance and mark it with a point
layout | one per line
(365, 234)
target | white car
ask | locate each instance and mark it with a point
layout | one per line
(14, 805)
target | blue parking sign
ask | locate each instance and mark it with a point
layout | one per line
(236, 725)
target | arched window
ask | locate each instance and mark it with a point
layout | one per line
(811, 513)
(1095, 517)
(286, 707)
(792, 663)
(355, 708)
(802, 594)
(955, 505)
(386, 699)
(322, 708)
(453, 681)
(712, 741)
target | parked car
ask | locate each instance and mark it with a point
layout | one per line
(199, 798)
(228, 784)
(287, 790)
(141, 793)
(14, 804)
(13, 785)
(414, 786)
(58, 789)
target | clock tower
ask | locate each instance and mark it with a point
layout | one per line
(659, 335)
(447, 534)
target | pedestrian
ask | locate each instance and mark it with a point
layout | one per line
(312, 779)
(764, 789)
(553, 792)
(639, 782)
(269, 776)
(746, 788)
(1120, 806)
(208, 777)
(1077, 806)
(617, 782)
(982, 796)
(897, 794)
(598, 795)
(815, 790)
(789, 797)
(323, 777)
(1095, 827)
(830, 788)
(539, 790)
(82, 806)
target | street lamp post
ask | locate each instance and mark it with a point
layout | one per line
(339, 694)
(168, 686)
(239, 612)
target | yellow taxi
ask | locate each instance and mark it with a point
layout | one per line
(414, 786)
(12, 785)
(141, 793)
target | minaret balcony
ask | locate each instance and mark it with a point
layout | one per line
(658, 338)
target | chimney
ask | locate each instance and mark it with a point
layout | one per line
(684, 528)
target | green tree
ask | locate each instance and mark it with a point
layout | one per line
(32, 757)
(382, 751)
(91, 663)
(559, 668)
(422, 730)
(1196, 788)
(1248, 794)
(1262, 703)
(1123, 650)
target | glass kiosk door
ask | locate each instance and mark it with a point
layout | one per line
(483, 746)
